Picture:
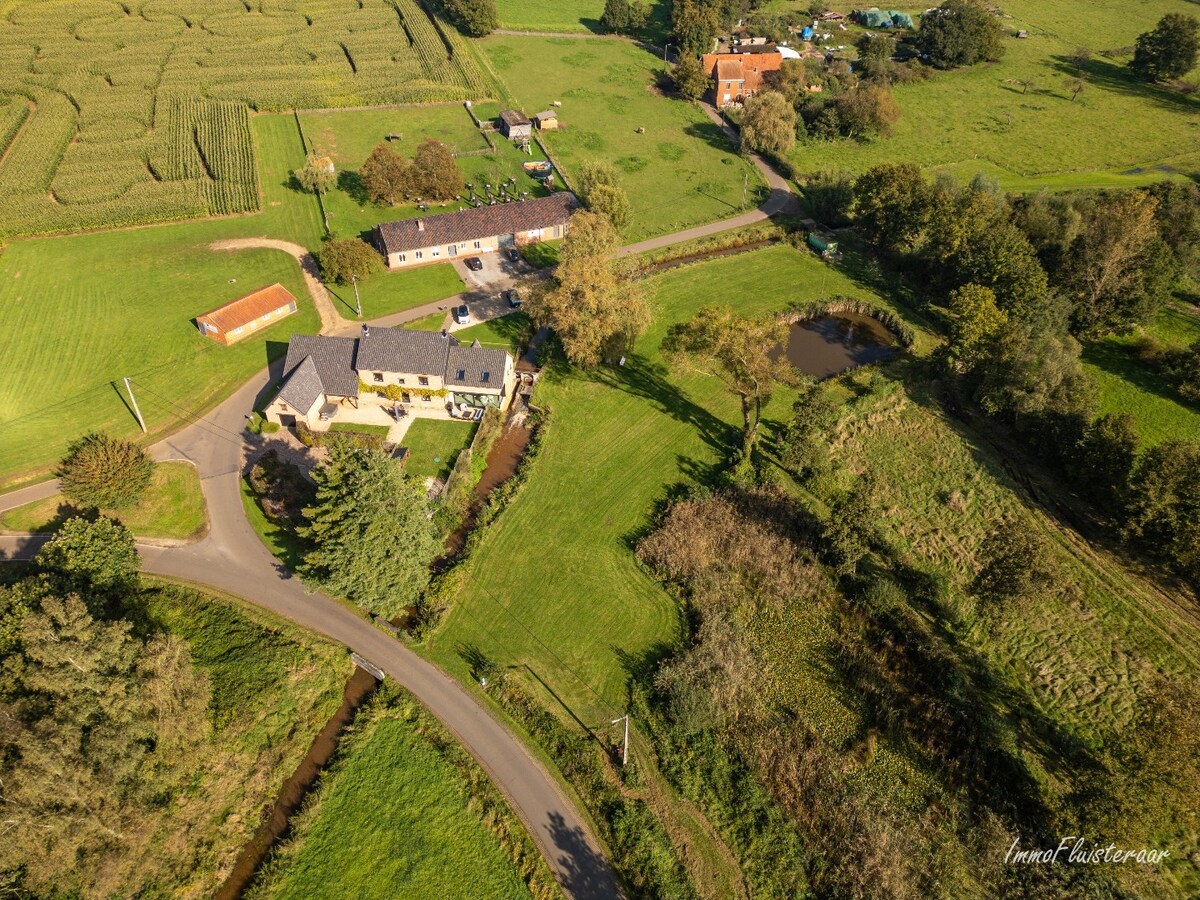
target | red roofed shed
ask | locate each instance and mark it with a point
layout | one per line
(240, 318)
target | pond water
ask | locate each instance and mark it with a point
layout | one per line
(832, 344)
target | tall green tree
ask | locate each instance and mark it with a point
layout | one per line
(1029, 372)
(1169, 49)
(369, 527)
(343, 260)
(592, 174)
(104, 472)
(975, 320)
(1105, 458)
(741, 351)
(892, 206)
(386, 176)
(435, 174)
(624, 16)
(851, 527)
(960, 33)
(611, 202)
(1016, 567)
(768, 124)
(474, 18)
(592, 302)
(694, 24)
(691, 81)
(93, 556)
(804, 442)
(1163, 512)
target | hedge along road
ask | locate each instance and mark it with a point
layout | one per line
(233, 559)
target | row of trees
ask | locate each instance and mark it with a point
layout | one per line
(432, 174)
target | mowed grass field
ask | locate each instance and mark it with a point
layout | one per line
(559, 559)
(172, 508)
(680, 172)
(79, 313)
(349, 136)
(569, 15)
(1117, 133)
(392, 819)
(433, 445)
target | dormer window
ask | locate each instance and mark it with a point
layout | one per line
(486, 377)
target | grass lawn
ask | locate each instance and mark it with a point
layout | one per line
(79, 313)
(977, 120)
(570, 15)
(392, 818)
(390, 292)
(504, 333)
(681, 172)
(431, 322)
(349, 136)
(172, 507)
(433, 445)
(559, 558)
(282, 542)
(354, 428)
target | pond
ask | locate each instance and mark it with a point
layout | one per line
(832, 344)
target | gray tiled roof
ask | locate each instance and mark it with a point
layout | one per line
(333, 358)
(473, 362)
(476, 223)
(302, 387)
(400, 350)
(514, 117)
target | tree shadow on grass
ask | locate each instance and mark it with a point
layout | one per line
(1105, 75)
(1121, 362)
(712, 134)
(648, 380)
(351, 184)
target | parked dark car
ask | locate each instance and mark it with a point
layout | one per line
(512, 298)
(514, 254)
(474, 263)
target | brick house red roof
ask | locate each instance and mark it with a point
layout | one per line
(244, 310)
(754, 66)
(730, 70)
(476, 223)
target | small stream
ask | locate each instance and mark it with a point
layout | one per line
(359, 687)
(502, 462)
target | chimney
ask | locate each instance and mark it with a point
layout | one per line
(443, 332)
(420, 224)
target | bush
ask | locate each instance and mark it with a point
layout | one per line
(99, 471)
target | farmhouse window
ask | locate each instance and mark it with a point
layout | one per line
(403, 257)
(434, 252)
(419, 254)
(379, 378)
(400, 381)
(477, 245)
(423, 381)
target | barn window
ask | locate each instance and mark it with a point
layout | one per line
(419, 254)
(477, 245)
(402, 257)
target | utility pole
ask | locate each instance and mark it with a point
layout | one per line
(357, 300)
(625, 745)
(137, 412)
(745, 186)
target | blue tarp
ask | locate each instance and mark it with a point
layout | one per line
(806, 34)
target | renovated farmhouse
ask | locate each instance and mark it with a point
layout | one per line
(472, 232)
(426, 373)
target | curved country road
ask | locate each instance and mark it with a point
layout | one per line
(233, 558)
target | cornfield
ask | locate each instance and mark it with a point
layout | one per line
(124, 113)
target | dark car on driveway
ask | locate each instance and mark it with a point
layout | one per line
(475, 264)
(514, 254)
(512, 298)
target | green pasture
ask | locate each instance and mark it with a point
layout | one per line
(1119, 132)
(502, 333)
(433, 445)
(349, 136)
(172, 507)
(391, 292)
(582, 16)
(680, 172)
(559, 559)
(392, 819)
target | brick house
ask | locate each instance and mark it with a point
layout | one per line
(736, 77)
(473, 232)
(422, 370)
(242, 317)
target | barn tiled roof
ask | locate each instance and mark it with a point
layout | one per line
(401, 350)
(473, 224)
(245, 310)
(730, 70)
(475, 362)
(333, 358)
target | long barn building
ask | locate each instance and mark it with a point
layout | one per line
(473, 232)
